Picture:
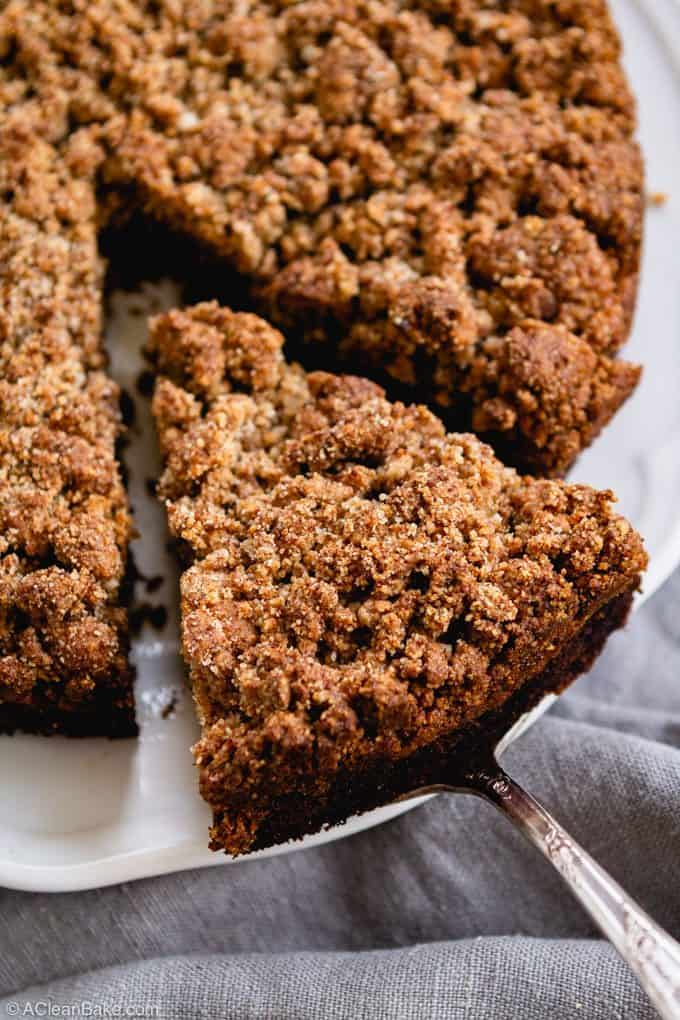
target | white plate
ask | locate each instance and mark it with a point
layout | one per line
(78, 814)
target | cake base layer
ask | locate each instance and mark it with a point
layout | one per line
(105, 721)
(111, 714)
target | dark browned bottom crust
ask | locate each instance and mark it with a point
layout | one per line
(363, 790)
(101, 720)
(108, 712)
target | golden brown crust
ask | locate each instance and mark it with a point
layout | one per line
(411, 179)
(363, 583)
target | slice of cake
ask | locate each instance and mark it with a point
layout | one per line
(64, 522)
(364, 589)
(450, 193)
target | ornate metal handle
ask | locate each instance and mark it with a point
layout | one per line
(647, 949)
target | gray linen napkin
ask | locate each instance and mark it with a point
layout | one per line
(444, 912)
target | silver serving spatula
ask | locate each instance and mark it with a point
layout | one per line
(652, 955)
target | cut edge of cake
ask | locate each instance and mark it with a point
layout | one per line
(64, 516)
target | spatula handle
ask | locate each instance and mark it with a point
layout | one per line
(649, 951)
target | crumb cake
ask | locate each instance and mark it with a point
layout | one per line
(64, 523)
(449, 194)
(363, 588)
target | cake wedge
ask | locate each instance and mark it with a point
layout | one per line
(364, 591)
